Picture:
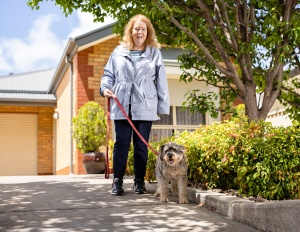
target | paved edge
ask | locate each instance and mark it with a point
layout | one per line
(264, 216)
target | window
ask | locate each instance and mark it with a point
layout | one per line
(180, 119)
(185, 117)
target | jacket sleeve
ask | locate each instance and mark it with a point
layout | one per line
(108, 77)
(162, 87)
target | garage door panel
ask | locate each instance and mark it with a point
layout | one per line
(18, 144)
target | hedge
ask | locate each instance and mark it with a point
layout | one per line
(256, 159)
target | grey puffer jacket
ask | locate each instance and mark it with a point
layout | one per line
(144, 79)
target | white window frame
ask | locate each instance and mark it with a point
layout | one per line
(175, 126)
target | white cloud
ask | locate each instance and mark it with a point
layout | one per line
(86, 24)
(39, 50)
(4, 65)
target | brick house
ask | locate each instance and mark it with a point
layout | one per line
(35, 116)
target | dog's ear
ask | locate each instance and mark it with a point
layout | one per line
(179, 147)
(182, 148)
(161, 148)
(160, 151)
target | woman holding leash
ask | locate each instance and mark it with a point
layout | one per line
(135, 74)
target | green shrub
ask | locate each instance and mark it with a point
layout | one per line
(89, 127)
(210, 151)
(256, 159)
(271, 166)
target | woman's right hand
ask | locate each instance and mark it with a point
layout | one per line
(107, 93)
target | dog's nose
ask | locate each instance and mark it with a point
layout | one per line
(170, 156)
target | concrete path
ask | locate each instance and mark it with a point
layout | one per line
(84, 203)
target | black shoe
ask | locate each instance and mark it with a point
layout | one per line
(117, 187)
(139, 186)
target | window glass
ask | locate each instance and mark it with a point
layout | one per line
(185, 117)
(165, 119)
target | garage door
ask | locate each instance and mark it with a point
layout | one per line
(18, 144)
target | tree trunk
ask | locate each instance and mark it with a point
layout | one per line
(251, 104)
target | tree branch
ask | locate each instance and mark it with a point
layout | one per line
(191, 10)
(228, 26)
(196, 39)
(221, 78)
(222, 24)
(232, 70)
(290, 91)
(252, 19)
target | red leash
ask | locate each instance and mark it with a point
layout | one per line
(106, 172)
(133, 127)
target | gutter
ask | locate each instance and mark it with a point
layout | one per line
(26, 102)
(70, 51)
(70, 62)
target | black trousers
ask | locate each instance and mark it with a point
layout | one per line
(124, 132)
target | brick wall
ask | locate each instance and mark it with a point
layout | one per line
(45, 134)
(88, 69)
(83, 71)
(100, 58)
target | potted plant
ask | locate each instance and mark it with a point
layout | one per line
(89, 133)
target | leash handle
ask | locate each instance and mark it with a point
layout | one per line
(133, 127)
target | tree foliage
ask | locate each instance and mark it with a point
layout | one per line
(247, 48)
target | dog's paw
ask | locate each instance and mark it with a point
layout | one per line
(164, 199)
(183, 201)
(157, 194)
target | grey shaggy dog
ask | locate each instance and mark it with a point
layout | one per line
(171, 165)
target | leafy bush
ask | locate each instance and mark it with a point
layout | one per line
(271, 166)
(89, 127)
(210, 151)
(256, 159)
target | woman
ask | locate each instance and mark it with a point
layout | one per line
(135, 73)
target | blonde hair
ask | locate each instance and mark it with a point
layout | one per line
(151, 39)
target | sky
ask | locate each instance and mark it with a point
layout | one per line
(32, 40)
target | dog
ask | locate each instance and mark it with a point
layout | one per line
(171, 166)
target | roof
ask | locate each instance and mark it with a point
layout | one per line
(37, 81)
(27, 88)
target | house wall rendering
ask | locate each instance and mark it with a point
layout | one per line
(63, 132)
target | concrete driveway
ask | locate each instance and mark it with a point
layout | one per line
(84, 203)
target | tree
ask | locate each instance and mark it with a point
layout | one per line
(247, 48)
